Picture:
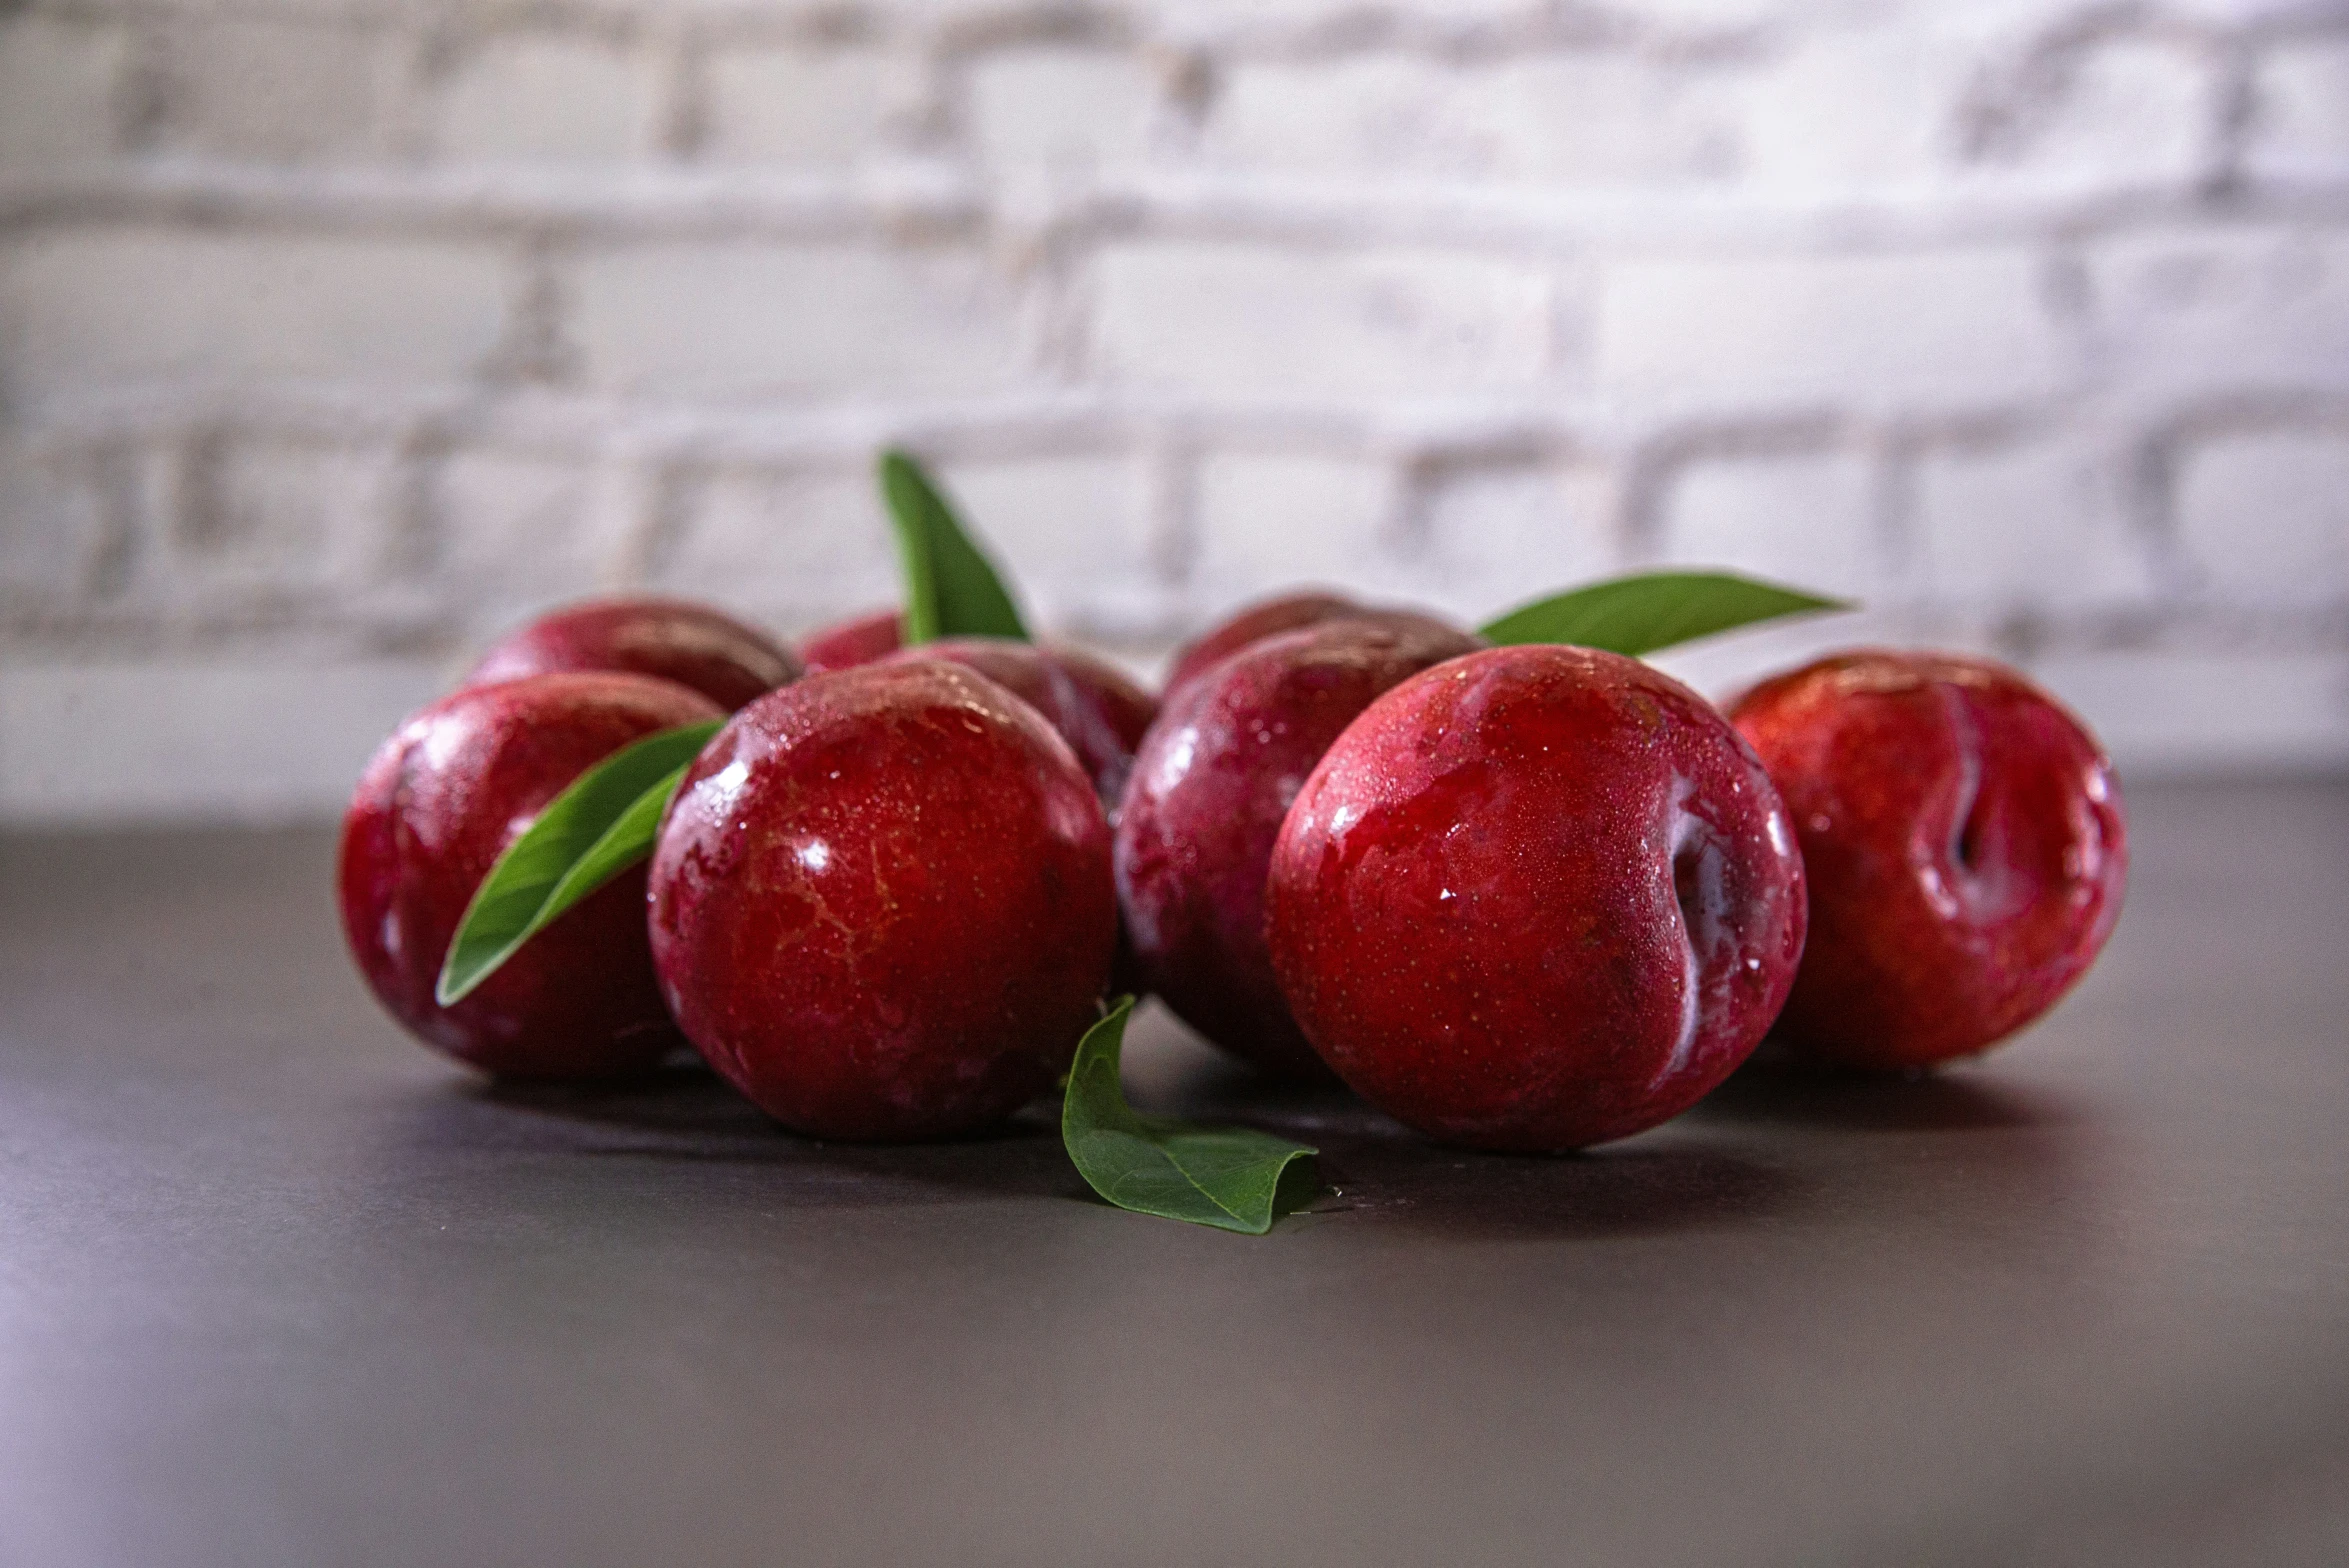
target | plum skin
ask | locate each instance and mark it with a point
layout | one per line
(1211, 785)
(1093, 706)
(1967, 847)
(674, 639)
(439, 802)
(858, 640)
(881, 903)
(1251, 624)
(1536, 898)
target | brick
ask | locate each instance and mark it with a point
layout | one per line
(2237, 13)
(2129, 113)
(58, 82)
(521, 98)
(1062, 111)
(792, 547)
(740, 319)
(2300, 115)
(1806, 520)
(2265, 517)
(183, 741)
(1871, 109)
(2224, 308)
(1568, 120)
(804, 109)
(517, 533)
(2181, 713)
(82, 312)
(1224, 22)
(1710, 15)
(281, 517)
(2036, 526)
(277, 92)
(1247, 321)
(1499, 535)
(1931, 329)
(1268, 521)
(1074, 532)
(53, 527)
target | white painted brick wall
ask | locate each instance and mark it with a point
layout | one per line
(280, 517)
(1288, 518)
(1808, 518)
(1936, 331)
(57, 92)
(736, 320)
(521, 98)
(513, 532)
(334, 338)
(2300, 109)
(801, 109)
(106, 311)
(1064, 113)
(789, 545)
(1557, 120)
(1496, 534)
(2031, 525)
(2265, 517)
(54, 527)
(2222, 307)
(1248, 322)
(1084, 527)
(269, 91)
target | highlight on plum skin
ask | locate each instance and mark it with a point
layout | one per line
(881, 903)
(727, 660)
(1536, 898)
(1212, 782)
(1091, 704)
(1277, 616)
(858, 640)
(441, 800)
(1967, 847)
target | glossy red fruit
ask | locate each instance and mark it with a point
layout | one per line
(1096, 710)
(1966, 844)
(441, 800)
(1112, 713)
(1211, 785)
(1536, 898)
(847, 644)
(1252, 623)
(674, 639)
(881, 903)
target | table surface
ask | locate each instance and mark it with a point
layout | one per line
(277, 1286)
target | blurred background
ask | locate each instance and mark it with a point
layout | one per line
(337, 335)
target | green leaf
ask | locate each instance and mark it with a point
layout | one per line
(1654, 610)
(951, 589)
(596, 829)
(1228, 1177)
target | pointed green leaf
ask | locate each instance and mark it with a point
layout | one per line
(1641, 614)
(951, 589)
(596, 829)
(1227, 1177)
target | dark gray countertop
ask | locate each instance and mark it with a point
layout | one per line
(276, 1287)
